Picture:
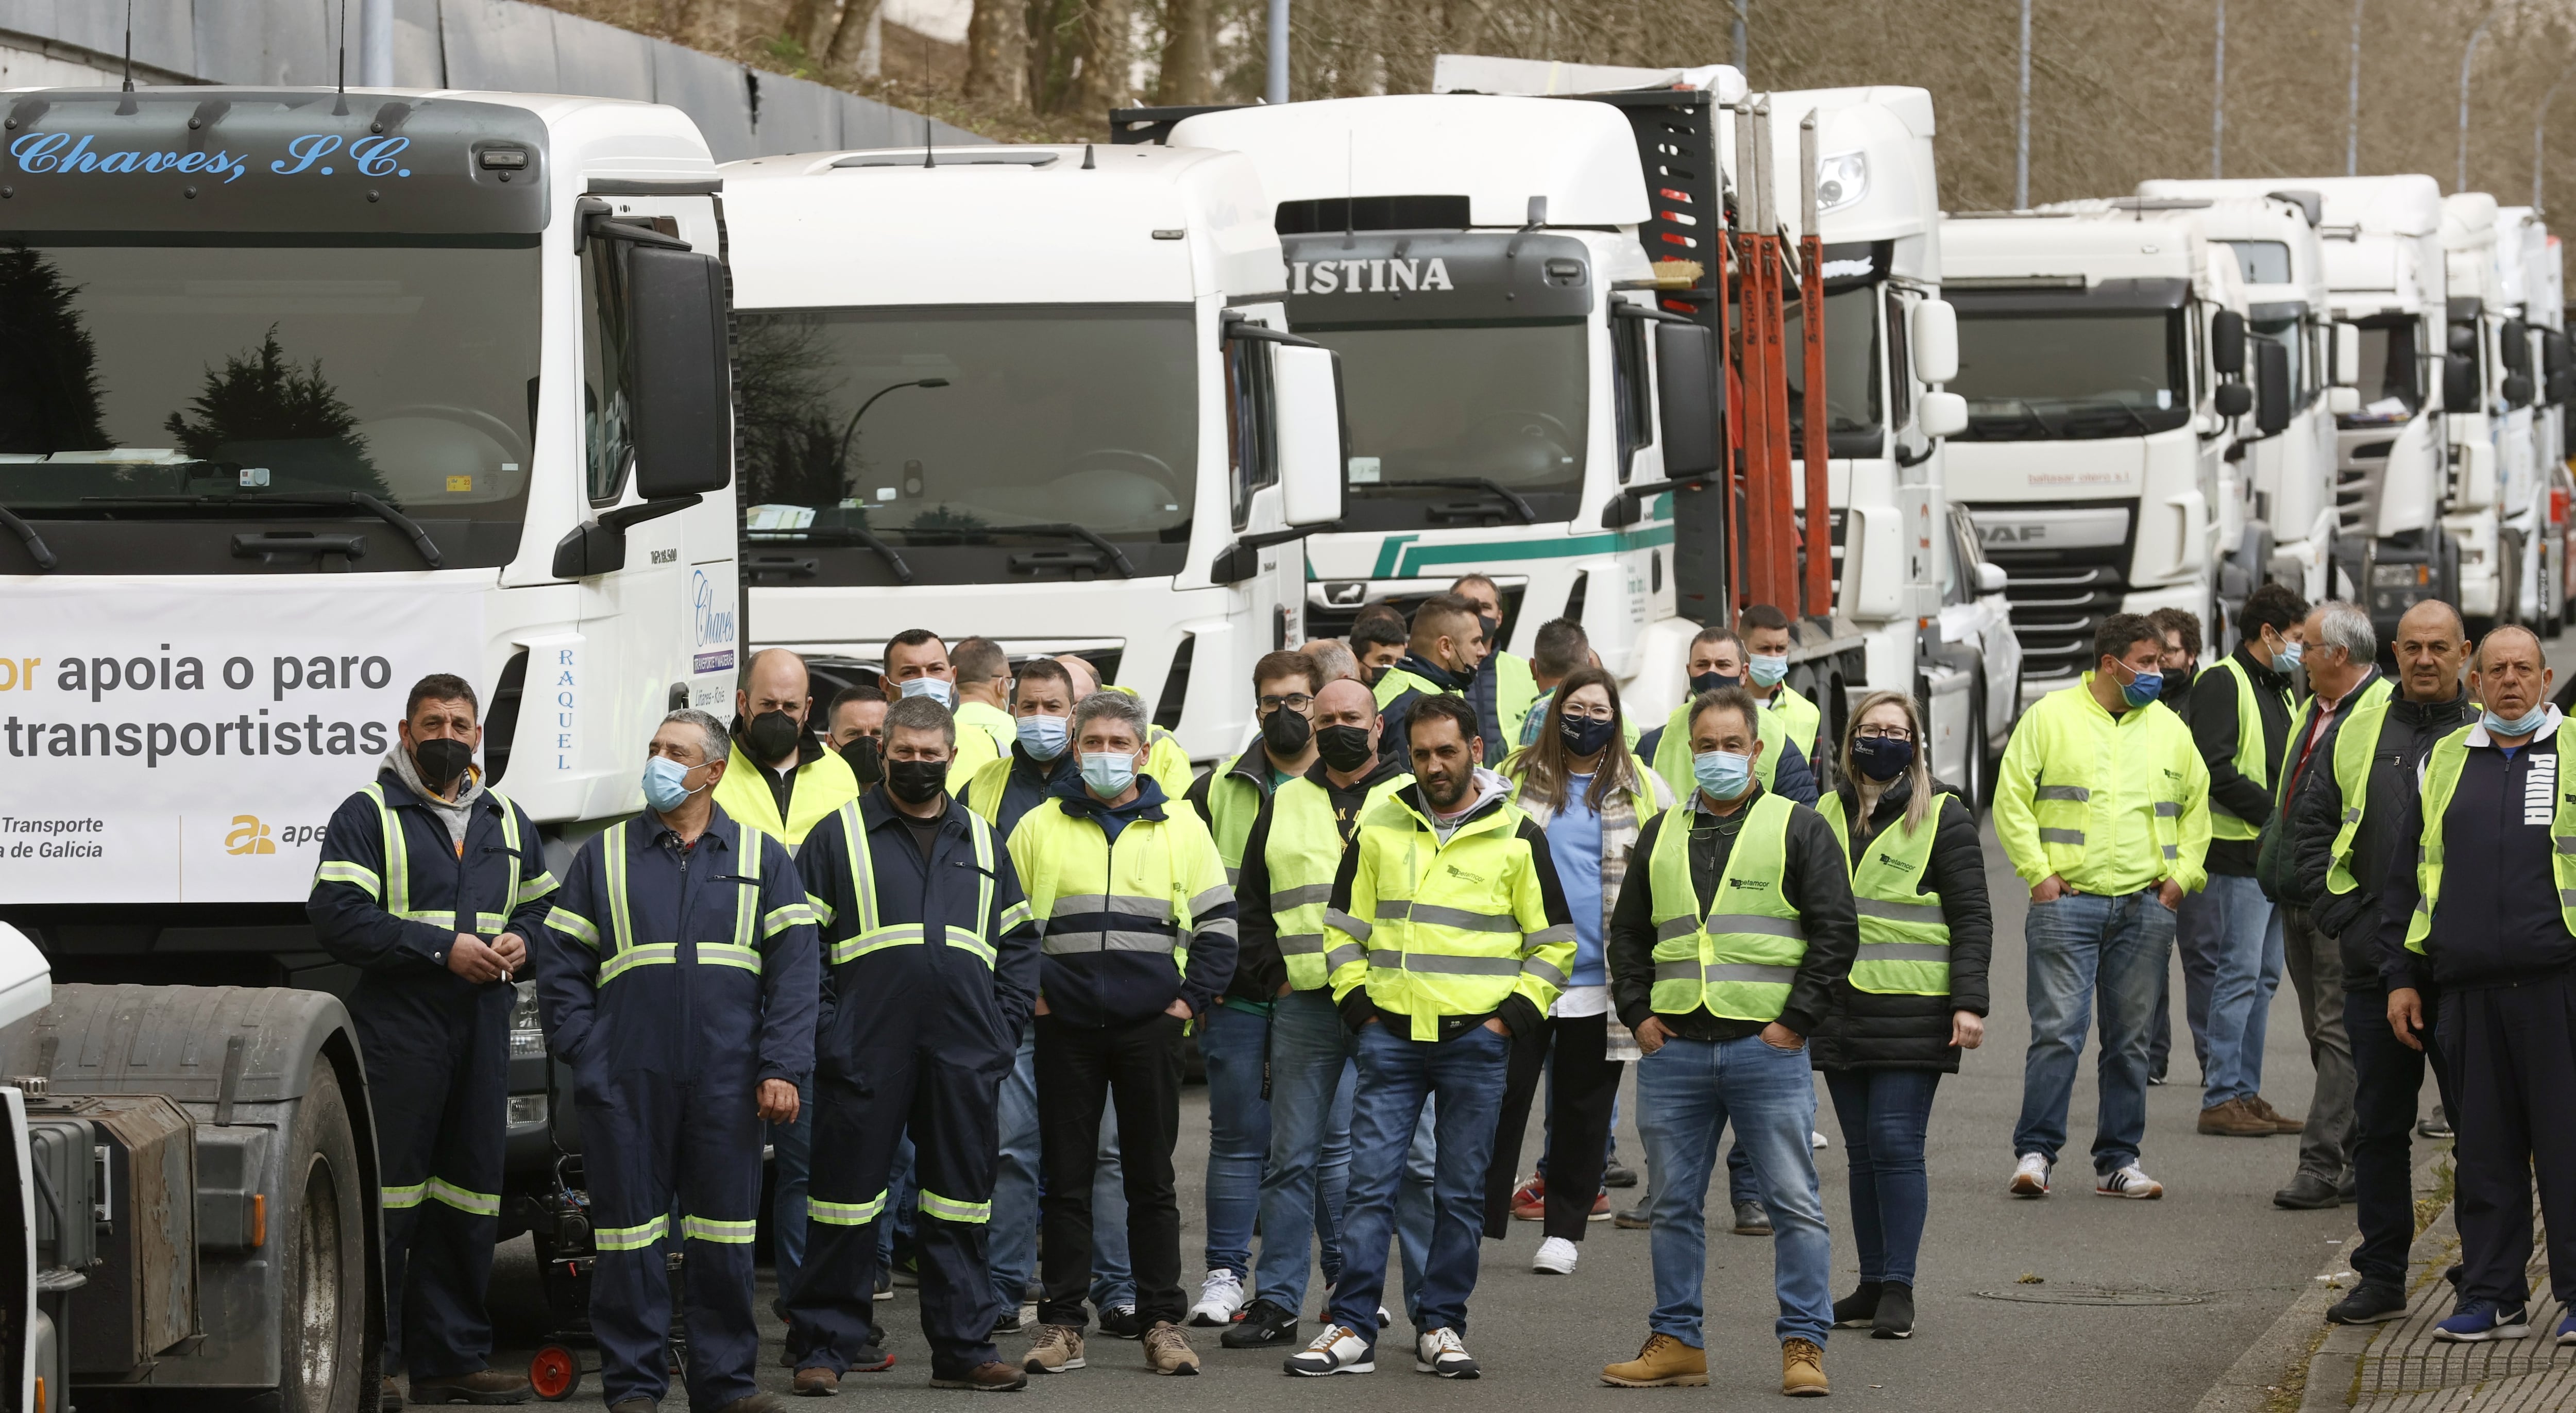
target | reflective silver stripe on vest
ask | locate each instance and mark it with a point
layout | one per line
(2168, 809)
(2173, 851)
(2565, 844)
(1282, 899)
(1210, 899)
(1335, 917)
(1758, 926)
(2077, 793)
(2062, 836)
(1403, 909)
(1058, 944)
(1900, 912)
(1903, 952)
(2567, 897)
(1717, 972)
(1300, 944)
(1341, 957)
(1548, 936)
(1532, 966)
(1216, 927)
(2352, 814)
(1455, 966)
(1671, 928)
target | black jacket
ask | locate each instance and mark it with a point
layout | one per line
(1392, 743)
(2386, 836)
(2280, 866)
(2215, 729)
(1868, 1030)
(2499, 921)
(1258, 970)
(1816, 880)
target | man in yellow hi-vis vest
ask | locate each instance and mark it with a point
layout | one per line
(1718, 658)
(2103, 807)
(2229, 933)
(780, 780)
(1733, 927)
(1446, 931)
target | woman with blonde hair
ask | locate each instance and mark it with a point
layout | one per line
(1916, 996)
(1590, 793)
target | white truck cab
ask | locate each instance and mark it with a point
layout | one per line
(2099, 342)
(1093, 437)
(2489, 429)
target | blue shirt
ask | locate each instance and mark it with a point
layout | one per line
(1574, 842)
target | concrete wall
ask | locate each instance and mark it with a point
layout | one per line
(489, 44)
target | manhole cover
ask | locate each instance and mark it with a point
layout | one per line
(2094, 1295)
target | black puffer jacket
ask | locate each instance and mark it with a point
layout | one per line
(1868, 1030)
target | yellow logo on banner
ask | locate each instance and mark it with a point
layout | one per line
(249, 836)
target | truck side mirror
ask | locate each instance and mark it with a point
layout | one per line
(683, 382)
(1686, 395)
(2460, 383)
(2517, 346)
(1936, 342)
(2347, 356)
(2517, 390)
(2227, 343)
(2271, 386)
(2343, 402)
(1313, 446)
(2232, 400)
(1941, 414)
(2558, 368)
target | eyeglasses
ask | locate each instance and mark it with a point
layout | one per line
(1589, 713)
(1884, 733)
(1297, 702)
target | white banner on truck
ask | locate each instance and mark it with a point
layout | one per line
(168, 744)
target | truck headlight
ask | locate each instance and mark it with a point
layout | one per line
(526, 1109)
(1841, 179)
(527, 1029)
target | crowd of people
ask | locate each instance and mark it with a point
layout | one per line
(942, 944)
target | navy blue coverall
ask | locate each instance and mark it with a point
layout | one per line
(674, 980)
(393, 890)
(932, 969)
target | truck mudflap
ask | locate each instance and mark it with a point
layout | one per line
(288, 1222)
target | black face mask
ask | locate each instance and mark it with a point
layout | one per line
(1585, 736)
(916, 782)
(772, 734)
(1369, 675)
(862, 758)
(1711, 681)
(1285, 732)
(1880, 758)
(2177, 685)
(1344, 748)
(441, 761)
(1493, 632)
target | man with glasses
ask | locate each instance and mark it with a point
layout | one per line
(1235, 1037)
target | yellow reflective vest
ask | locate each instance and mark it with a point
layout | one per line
(2441, 781)
(1802, 719)
(1738, 957)
(984, 734)
(1303, 854)
(1673, 752)
(1447, 929)
(823, 785)
(1904, 934)
(1146, 891)
(2356, 744)
(2253, 753)
(2109, 804)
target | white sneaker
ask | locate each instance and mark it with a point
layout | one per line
(1441, 1352)
(2030, 1176)
(2131, 1181)
(1817, 1140)
(1555, 1257)
(1220, 1299)
(1336, 1351)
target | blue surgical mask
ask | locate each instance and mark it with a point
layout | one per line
(666, 784)
(1108, 773)
(938, 689)
(1723, 774)
(2524, 726)
(1043, 737)
(1767, 671)
(2289, 655)
(2143, 688)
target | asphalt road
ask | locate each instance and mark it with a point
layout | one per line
(2223, 1260)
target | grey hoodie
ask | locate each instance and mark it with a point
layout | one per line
(454, 812)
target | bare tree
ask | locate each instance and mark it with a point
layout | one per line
(850, 35)
(1100, 79)
(997, 42)
(1188, 68)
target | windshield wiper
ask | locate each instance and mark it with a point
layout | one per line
(2030, 413)
(2093, 408)
(420, 539)
(848, 535)
(1117, 557)
(1520, 508)
(37, 549)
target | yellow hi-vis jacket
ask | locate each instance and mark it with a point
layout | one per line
(1802, 719)
(1301, 855)
(1673, 751)
(1449, 928)
(2253, 756)
(984, 734)
(823, 785)
(2109, 804)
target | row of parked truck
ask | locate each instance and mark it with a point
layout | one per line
(547, 396)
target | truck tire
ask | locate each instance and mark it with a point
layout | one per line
(323, 1259)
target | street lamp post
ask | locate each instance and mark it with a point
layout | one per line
(2218, 102)
(1275, 90)
(2352, 101)
(2469, 56)
(2021, 129)
(1741, 52)
(844, 453)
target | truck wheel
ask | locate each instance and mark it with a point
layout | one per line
(322, 1325)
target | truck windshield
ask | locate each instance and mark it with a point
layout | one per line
(131, 371)
(1851, 369)
(952, 425)
(2391, 382)
(2073, 377)
(1501, 402)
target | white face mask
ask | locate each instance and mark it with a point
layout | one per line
(938, 689)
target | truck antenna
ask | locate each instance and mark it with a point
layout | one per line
(925, 142)
(129, 46)
(1087, 163)
(344, 47)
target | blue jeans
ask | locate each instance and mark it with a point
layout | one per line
(1884, 1113)
(1014, 1231)
(792, 1148)
(2238, 930)
(899, 1208)
(1309, 1163)
(1464, 1077)
(1687, 1093)
(1235, 1043)
(2080, 947)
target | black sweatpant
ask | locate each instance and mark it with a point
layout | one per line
(1578, 1122)
(2513, 1055)
(2387, 1092)
(1081, 1069)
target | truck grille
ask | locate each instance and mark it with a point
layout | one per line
(2358, 479)
(2065, 570)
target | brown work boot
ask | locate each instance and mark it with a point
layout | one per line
(1167, 1350)
(755, 1403)
(481, 1386)
(1056, 1349)
(2281, 1122)
(817, 1382)
(1663, 1362)
(2235, 1119)
(389, 1397)
(991, 1376)
(1802, 1369)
